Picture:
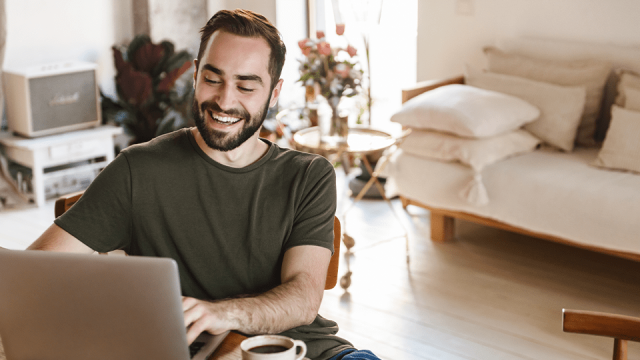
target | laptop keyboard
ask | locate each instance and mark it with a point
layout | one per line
(195, 347)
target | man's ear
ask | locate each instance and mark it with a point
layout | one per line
(275, 94)
(195, 72)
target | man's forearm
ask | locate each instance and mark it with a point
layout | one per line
(286, 306)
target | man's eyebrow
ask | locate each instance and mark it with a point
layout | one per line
(250, 77)
(213, 69)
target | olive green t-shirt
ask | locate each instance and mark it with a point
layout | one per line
(227, 228)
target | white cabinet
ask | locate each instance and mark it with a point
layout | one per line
(59, 160)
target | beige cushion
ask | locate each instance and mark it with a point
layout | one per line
(560, 106)
(628, 80)
(621, 148)
(591, 74)
(466, 111)
(476, 153)
(632, 101)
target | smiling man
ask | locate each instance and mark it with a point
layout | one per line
(249, 224)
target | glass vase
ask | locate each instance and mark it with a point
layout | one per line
(333, 124)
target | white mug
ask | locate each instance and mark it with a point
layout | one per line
(272, 347)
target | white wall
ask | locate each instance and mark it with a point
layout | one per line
(264, 7)
(447, 39)
(44, 31)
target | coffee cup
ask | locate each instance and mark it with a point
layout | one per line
(272, 347)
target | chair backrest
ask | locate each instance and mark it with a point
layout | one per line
(621, 328)
(63, 204)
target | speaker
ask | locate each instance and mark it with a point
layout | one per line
(50, 99)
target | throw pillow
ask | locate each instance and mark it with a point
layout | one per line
(588, 73)
(628, 80)
(632, 101)
(560, 106)
(476, 153)
(621, 148)
(466, 111)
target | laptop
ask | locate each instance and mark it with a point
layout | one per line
(77, 307)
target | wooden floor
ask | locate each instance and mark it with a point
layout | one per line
(488, 295)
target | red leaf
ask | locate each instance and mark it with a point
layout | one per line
(166, 84)
(147, 57)
(135, 86)
(118, 60)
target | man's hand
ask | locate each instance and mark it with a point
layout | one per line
(201, 316)
(293, 303)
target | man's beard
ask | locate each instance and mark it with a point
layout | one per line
(221, 140)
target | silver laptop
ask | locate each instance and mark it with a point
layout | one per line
(77, 307)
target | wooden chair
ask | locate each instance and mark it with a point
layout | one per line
(621, 328)
(63, 204)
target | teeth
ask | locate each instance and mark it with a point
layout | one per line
(224, 119)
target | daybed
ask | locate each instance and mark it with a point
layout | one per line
(547, 193)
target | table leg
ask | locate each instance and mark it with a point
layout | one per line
(348, 241)
(37, 173)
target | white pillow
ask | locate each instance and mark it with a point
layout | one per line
(466, 111)
(621, 148)
(632, 101)
(560, 106)
(592, 74)
(476, 153)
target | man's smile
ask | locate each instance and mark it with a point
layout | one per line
(223, 118)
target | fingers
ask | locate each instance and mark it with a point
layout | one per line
(199, 316)
(192, 311)
(196, 329)
(188, 303)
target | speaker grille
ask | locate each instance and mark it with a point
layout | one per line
(63, 100)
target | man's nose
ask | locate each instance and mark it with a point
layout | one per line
(226, 98)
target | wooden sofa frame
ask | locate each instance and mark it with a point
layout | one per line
(442, 221)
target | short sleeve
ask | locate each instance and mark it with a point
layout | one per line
(101, 219)
(313, 220)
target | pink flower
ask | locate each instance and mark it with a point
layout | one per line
(339, 29)
(303, 44)
(324, 48)
(319, 34)
(352, 51)
(306, 51)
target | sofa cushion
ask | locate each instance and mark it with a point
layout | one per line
(632, 101)
(466, 111)
(628, 80)
(621, 148)
(560, 106)
(591, 74)
(476, 153)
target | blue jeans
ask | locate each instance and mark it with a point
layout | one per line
(353, 354)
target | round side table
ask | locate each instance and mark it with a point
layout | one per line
(360, 141)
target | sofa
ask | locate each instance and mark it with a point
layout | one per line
(559, 191)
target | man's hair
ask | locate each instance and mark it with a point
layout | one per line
(248, 24)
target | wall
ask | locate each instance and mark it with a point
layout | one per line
(448, 38)
(179, 22)
(43, 31)
(264, 7)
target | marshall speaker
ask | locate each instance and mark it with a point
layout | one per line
(49, 99)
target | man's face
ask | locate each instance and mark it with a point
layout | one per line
(232, 90)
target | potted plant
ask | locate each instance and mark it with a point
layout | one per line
(332, 73)
(154, 91)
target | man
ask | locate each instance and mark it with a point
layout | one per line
(249, 224)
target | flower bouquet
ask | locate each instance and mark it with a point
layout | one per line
(332, 73)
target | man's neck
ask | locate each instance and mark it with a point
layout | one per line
(244, 155)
